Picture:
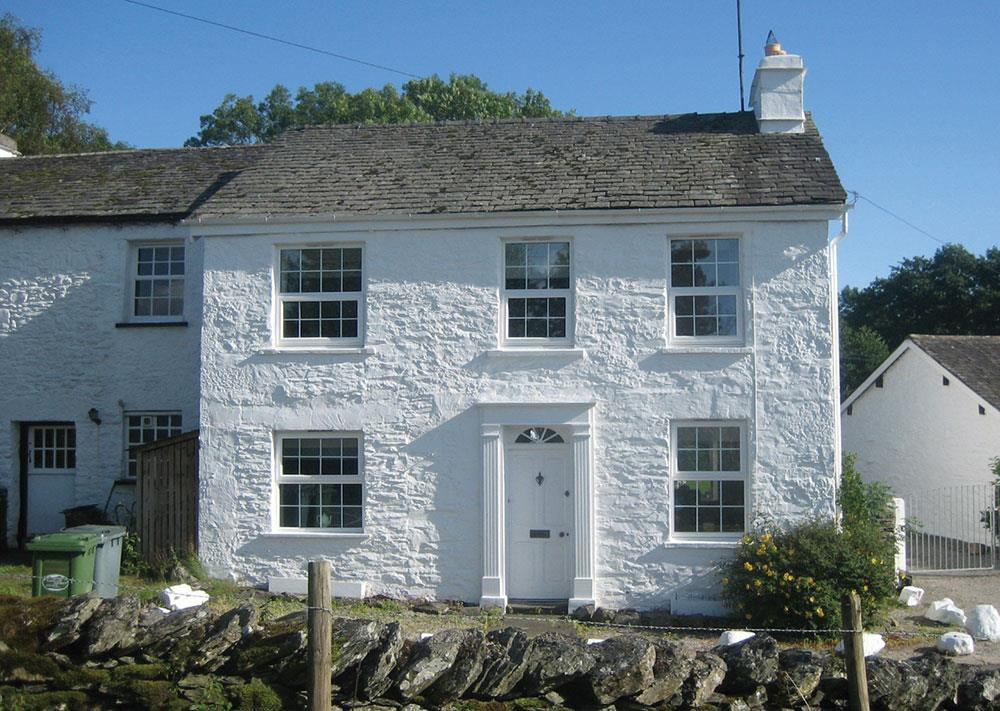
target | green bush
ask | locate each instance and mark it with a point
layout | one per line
(796, 577)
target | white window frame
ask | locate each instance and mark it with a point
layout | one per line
(675, 291)
(677, 475)
(133, 277)
(279, 478)
(279, 299)
(66, 448)
(506, 294)
(125, 433)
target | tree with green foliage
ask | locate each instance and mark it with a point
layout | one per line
(953, 293)
(861, 351)
(37, 110)
(238, 119)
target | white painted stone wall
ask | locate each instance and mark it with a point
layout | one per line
(918, 435)
(62, 290)
(432, 310)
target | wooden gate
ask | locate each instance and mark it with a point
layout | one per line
(167, 497)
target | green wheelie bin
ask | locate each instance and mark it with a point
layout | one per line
(63, 563)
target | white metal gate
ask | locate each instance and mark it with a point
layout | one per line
(953, 528)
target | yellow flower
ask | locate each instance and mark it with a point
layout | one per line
(874, 561)
(749, 566)
(865, 588)
(809, 580)
(725, 581)
(788, 577)
(761, 550)
(757, 583)
(766, 537)
(786, 608)
(812, 599)
(819, 612)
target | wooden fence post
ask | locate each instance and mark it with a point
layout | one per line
(319, 633)
(854, 653)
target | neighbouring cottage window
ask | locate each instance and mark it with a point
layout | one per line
(145, 427)
(158, 286)
(53, 447)
(320, 295)
(320, 482)
(709, 479)
(537, 295)
(539, 435)
(705, 289)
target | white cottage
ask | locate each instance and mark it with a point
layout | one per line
(929, 416)
(562, 359)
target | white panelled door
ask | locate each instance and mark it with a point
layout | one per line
(539, 487)
(51, 476)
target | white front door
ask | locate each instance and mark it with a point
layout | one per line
(51, 476)
(539, 520)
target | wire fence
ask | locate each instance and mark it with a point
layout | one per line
(532, 618)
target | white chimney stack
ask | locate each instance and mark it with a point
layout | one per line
(8, 147)
(776, 92)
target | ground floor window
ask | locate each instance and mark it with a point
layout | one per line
(320, 481)
(709, 479)
(145, 427)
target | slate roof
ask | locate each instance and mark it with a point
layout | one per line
(687, 160)
(975, 360)
(145, 184)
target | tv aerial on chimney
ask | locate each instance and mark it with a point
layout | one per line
(739, 39)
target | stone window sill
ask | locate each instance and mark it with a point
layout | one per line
(694, 348)
(533, 352)
(151, 324)
(317, 350)
(319, 535)
(702, 543)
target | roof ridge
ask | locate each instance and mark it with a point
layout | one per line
(132, 151)
(516, 120)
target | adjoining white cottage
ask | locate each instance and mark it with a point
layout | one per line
(928, 420)
(564, 359)
(100, 321)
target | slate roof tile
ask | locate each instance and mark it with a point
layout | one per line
(686, 160)
(122, 185)
(975, 360)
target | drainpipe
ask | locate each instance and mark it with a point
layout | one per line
(835, 333)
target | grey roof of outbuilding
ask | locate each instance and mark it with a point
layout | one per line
(145, 184)
(975, 360)
(687, 160)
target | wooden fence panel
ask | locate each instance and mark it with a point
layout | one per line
(167, 496)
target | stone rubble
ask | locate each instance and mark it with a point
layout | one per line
(946, 612)
(955, 644)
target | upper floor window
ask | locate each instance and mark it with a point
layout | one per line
(320, 481)
(158, 282)
(705, 289)
(709, 483)
(320, 295)
(537, 297)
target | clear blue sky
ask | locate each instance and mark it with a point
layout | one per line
(905, 94)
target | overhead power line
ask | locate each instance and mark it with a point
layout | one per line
(859, 196)
(272, 38)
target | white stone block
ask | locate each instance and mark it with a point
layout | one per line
(956, 644)
(911, 595)
(984, 623)
(181, 597)
(872, 643)
(730, 637)
(946, 612)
